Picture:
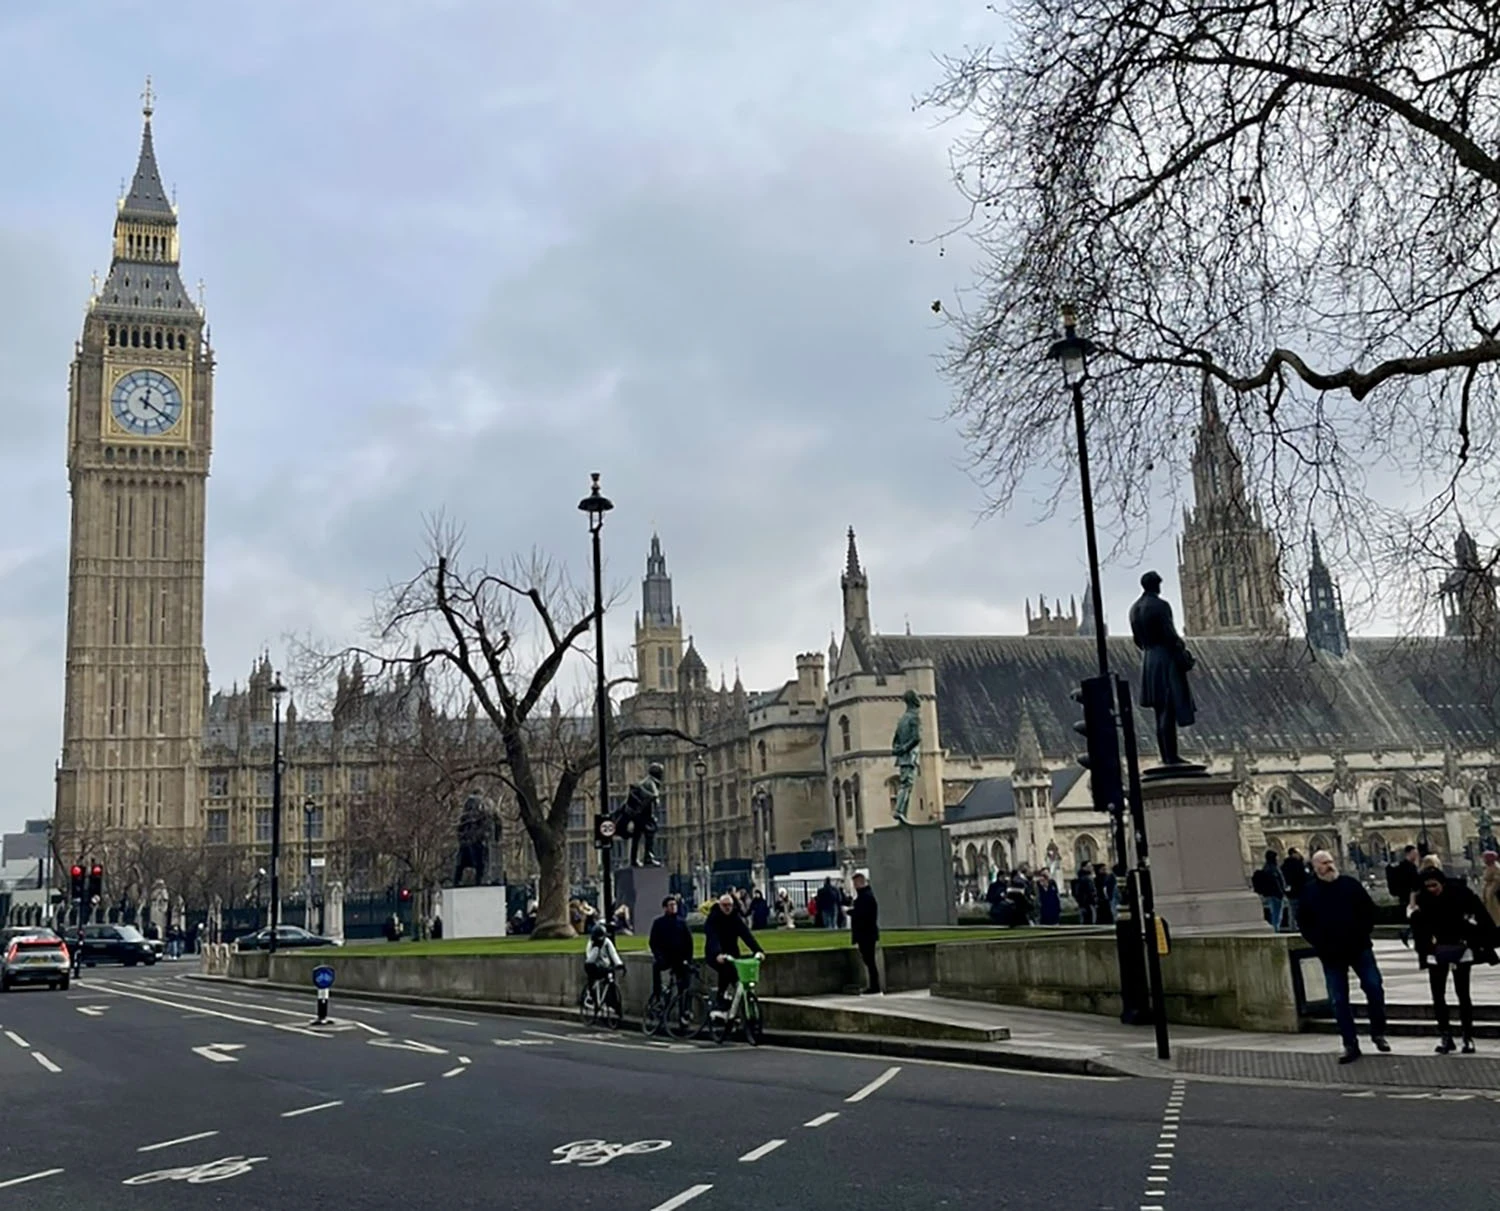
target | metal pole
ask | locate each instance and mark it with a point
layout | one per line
(1145, 893)
(275, 822)
(703, 839)
(1086, 490)
(601, 711)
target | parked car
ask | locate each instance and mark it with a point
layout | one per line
(116, 944)
(38, 957)
(287, 937)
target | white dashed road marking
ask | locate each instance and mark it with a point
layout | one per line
(310, 1109)
(32, 1177)
(880, 1080)
(404, 1088)
(181, 1139)
(459, 1071)
(17, 1039)
(1166, 1147)
(765, 1149)
(45, 1062)
(821, 1119)
(432, 1017)
(681, 1200)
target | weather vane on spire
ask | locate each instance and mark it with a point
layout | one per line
(148, 100)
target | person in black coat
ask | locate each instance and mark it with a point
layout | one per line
(1337, 917)
(864, 928)
(1452, 931)
(671, 945)
(723, 931)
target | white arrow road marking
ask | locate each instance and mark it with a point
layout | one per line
(92, 1011)
(181, 1139)
(214, 1051)
(385, 1034)
(407, 1045)
(45, 1062)
(214, 1013)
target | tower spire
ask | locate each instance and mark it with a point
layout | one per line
(856, 587)
(148, 101)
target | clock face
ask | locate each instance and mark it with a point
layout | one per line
(146, 403)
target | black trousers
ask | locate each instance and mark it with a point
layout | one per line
(867, 953)
(1437, 976)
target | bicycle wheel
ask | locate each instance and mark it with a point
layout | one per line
(753, 1020)
(654, 1018)
(610, 1010)
(688, 1014)
(587, 1010)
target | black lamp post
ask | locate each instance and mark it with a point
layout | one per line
(700, 767)
(308, 807)
(277, 690)
(1072, 353)
(596, 505)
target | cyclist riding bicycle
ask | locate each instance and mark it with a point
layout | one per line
(723, 931)
(671, 945)
(600, 957)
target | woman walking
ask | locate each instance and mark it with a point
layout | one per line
(1452, 931)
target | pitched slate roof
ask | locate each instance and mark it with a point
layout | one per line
(996, 797)
(1263, 695)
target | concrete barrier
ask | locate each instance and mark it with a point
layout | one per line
(1239, 982)
(213, 959)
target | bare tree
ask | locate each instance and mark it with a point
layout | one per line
(1297, 201)
(499, 640)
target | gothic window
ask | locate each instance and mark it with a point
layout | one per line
(1477, 798)
(859, 808)
(1221, 592)
(218, 784)
(1085, 851)
(263, 826)
(577, 815)
(359, 781)
(312, 781)
(849, 799)
(1276, 803)
(718, 801)
(263, 783)
(1380, 801)
(760, 750)
(314, 822)
(218, 826)
(844, 731)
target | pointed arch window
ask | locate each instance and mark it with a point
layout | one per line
(844, 732)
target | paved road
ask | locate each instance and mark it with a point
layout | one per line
(113, 1098)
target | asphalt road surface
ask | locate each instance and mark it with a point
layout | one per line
(148, 1089)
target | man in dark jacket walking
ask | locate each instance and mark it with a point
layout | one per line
(864, 929)
(671, 945)
(1337, 917)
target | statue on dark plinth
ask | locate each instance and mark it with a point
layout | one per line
(1165, 663)
(906, 745)
(636, 818)
(476, 835)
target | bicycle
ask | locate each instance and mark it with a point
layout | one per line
(687, 1013)
(744, 1008)
(599, 1003)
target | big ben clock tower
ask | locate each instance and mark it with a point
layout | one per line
(139, 426)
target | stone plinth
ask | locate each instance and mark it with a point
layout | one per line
(911, 875)
(642, 889)
(473, 912)
(1196, 867)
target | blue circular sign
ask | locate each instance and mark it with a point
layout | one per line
(323, 977)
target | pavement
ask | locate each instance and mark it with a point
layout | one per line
(140, 1088)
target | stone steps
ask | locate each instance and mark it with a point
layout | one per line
(875, 1016)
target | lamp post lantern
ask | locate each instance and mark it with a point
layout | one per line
(700, 767)
(596, 505)
(1072, 351)
(277, 690)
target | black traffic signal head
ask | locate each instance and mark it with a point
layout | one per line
(75, 880)
(1099, 730)
(96, 880)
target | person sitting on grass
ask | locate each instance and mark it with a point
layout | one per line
(723, 931)
(600, 956)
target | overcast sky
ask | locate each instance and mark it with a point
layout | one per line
(458, 255)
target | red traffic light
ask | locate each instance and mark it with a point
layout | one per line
(406, 893)
(76, 871)
(96, 870)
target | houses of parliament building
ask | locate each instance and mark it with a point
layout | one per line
(1358, 744)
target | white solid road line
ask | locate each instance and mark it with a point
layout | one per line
(821, 1119)
(765, 1149)
(404, 1088)
(681, 1200)
(45, 1062)
(880, 1080)
(432, 1017)
(213, 1013)
(181, 1139)
(31, 1177)
(17, 1039)
(310, 1109)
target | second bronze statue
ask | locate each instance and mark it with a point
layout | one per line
(1165, 664)
(636, 817)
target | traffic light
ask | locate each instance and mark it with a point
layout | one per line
(96, 881)
(405, 894)
(75, 877)
(1103, 757)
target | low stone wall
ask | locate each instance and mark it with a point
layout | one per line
(1230, 981)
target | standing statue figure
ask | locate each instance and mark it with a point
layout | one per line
(476, 830)
(1164, 668)
(905, 746)
(637, 817)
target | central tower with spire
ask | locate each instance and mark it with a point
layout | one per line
(139, 435)
(658, 628)
(1227, 557)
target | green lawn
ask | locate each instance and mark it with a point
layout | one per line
(774, 940)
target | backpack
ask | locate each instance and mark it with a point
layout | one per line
(1263, 884)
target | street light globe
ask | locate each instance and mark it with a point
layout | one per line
(596, 504)
(700, 767)
(1071, 351)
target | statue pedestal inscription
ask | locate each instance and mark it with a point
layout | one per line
(1196, 868)
(911, 875)
(471, 912)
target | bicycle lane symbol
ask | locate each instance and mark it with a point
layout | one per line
(590, 1154)
(196, 1175)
